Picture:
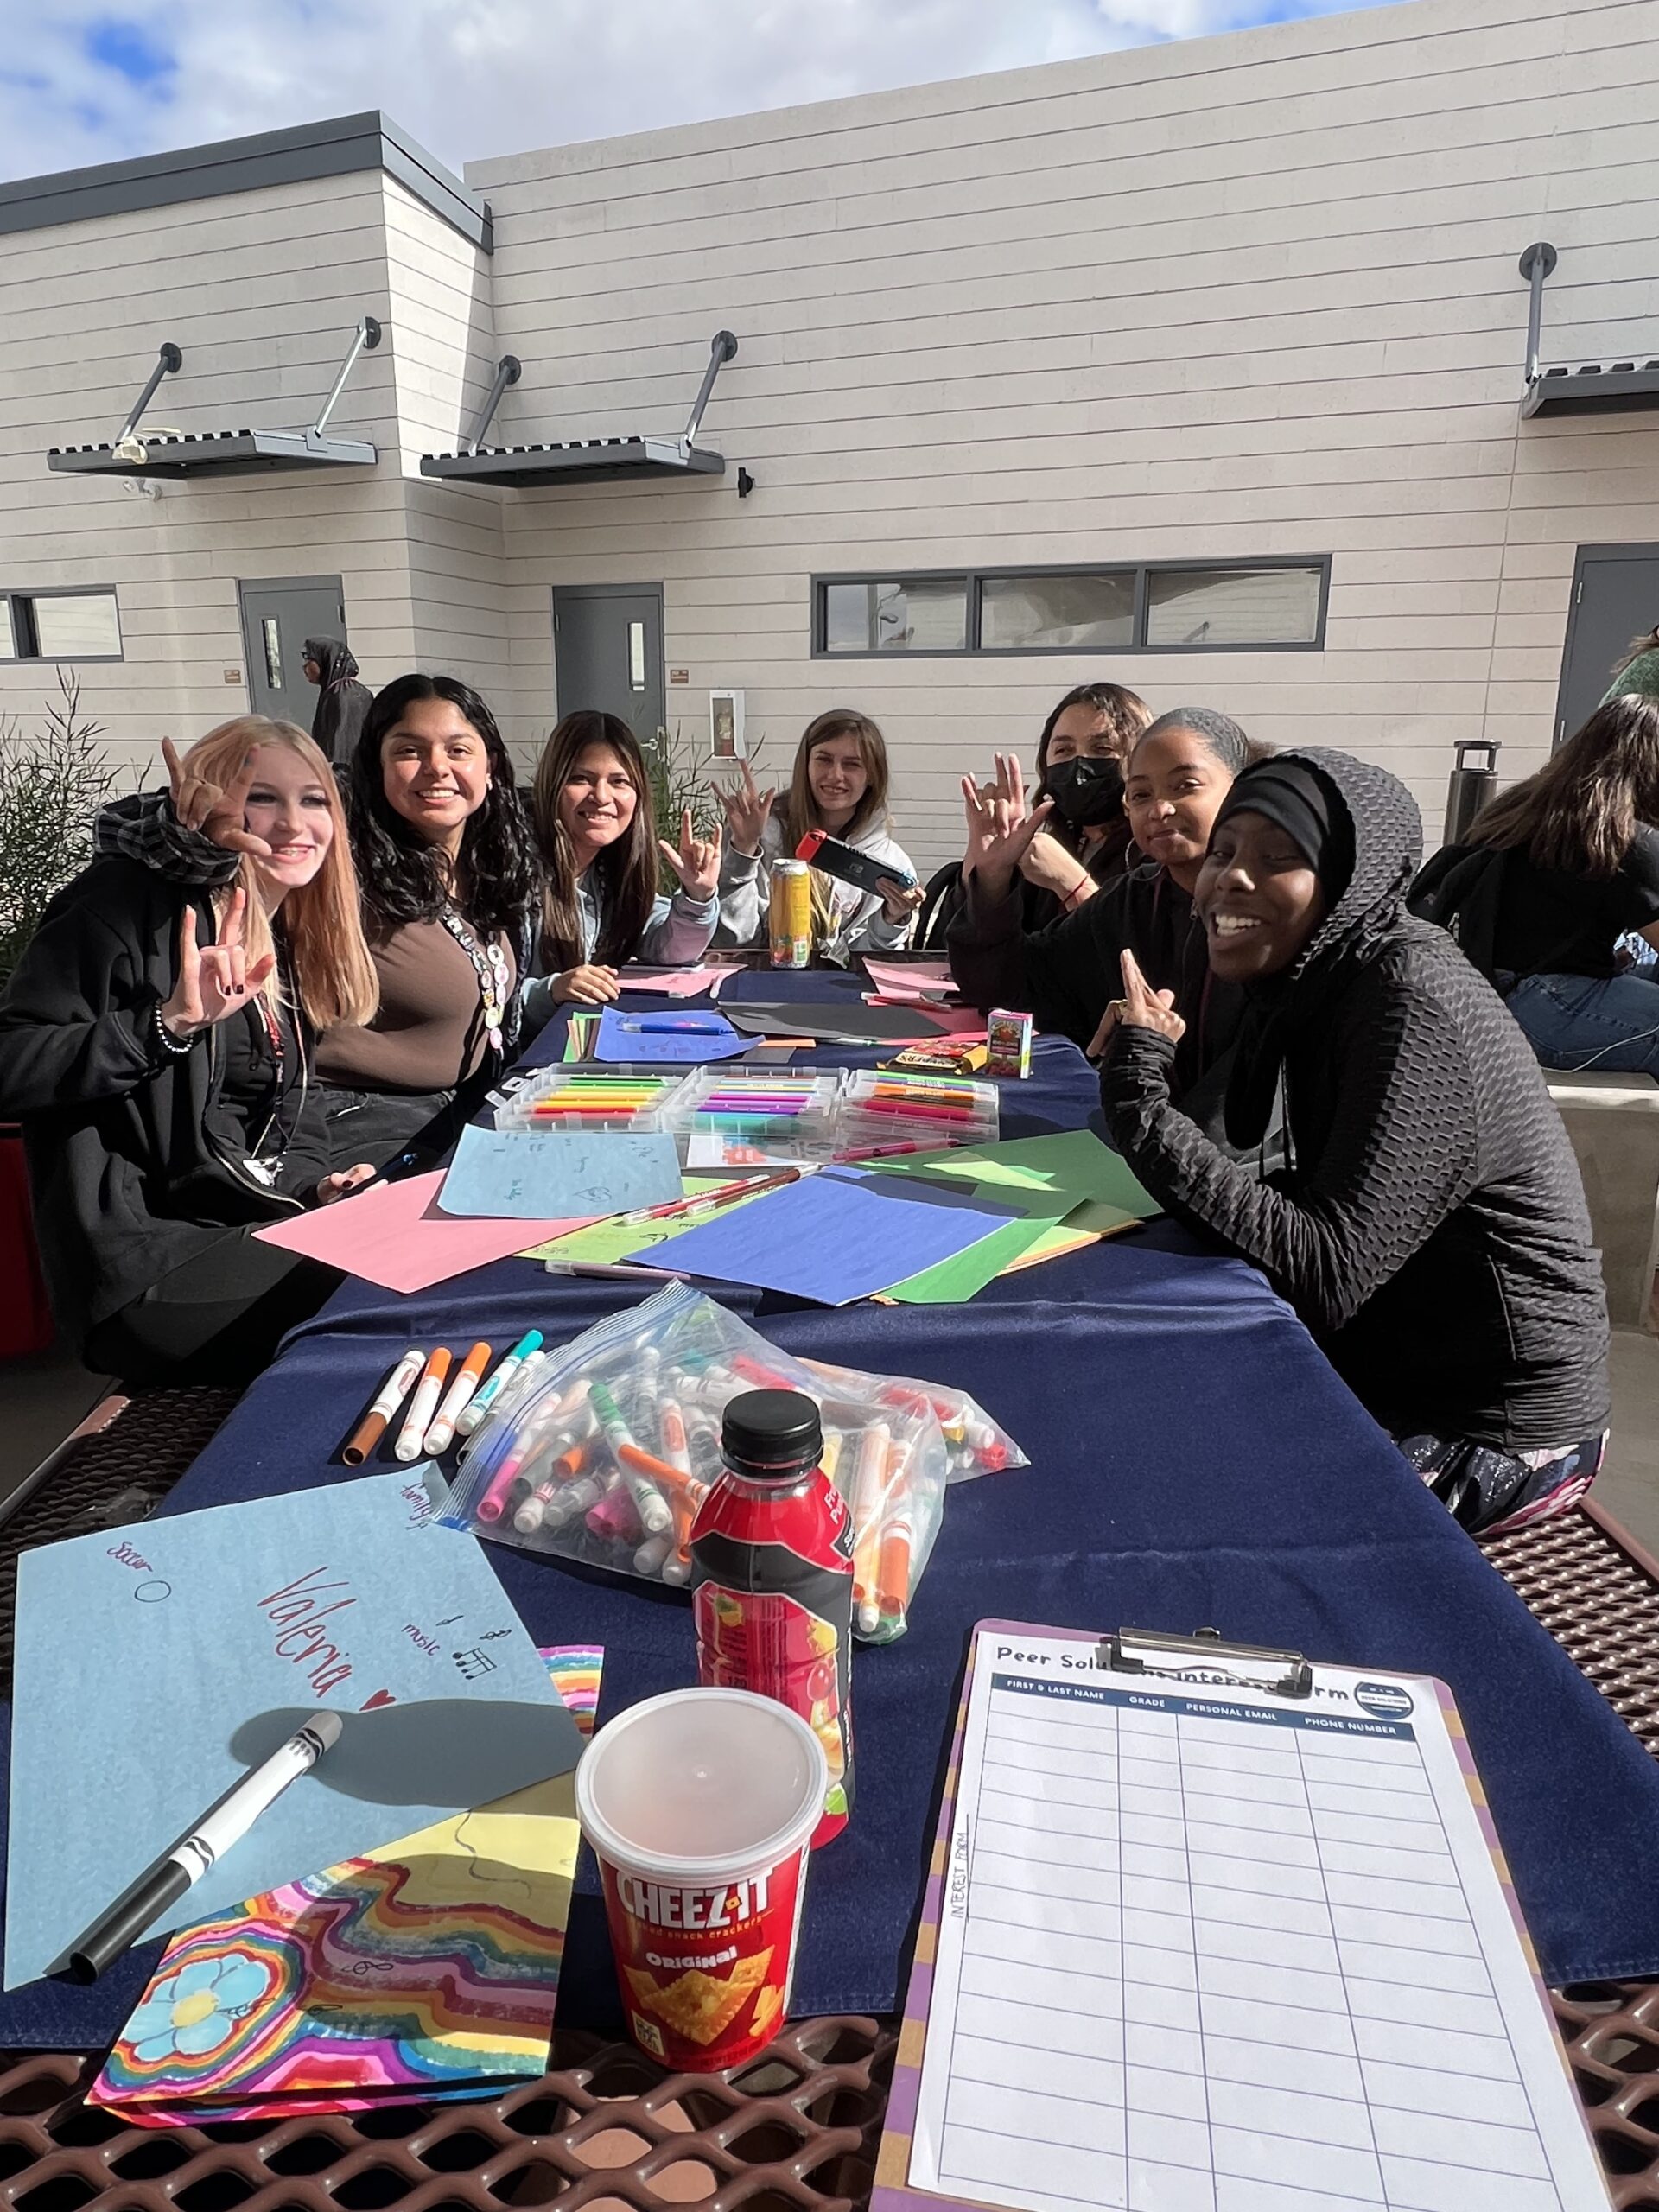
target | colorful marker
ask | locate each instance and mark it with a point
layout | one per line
(372, 1426)
(474, 1411)
(467, 1377)
(412, 1435)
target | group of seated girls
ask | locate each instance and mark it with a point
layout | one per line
(268, 984)
(1319, 1081)
(256, 996)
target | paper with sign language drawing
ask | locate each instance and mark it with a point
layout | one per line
(1195, 1948)
(155, 1664)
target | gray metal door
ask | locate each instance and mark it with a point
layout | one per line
(607, 651)
(278, 615)
(1615, 598)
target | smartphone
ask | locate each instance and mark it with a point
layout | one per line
(849, 865)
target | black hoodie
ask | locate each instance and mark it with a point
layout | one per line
(342, 702)
(127, 1179)
(1431, 1229)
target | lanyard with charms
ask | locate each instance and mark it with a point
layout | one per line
(489, 965)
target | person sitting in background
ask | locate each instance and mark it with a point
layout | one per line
(343, 704)
(1179, 771)
(595, 831)
(1087, 737)
(1430, 1227)
(839, 785)
(157, 1043)
(1550, 875)
(1637, 674)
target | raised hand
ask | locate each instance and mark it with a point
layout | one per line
(1000, 831)
(587, 985)
(216, 813)
(1051, 868)
(745, 810)
(697, 861)
(214, 980)
(1140, 1007)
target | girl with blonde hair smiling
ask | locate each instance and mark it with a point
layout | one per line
(156, 1044)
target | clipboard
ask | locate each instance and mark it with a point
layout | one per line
(1049, 2059)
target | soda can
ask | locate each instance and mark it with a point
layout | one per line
(791, 914)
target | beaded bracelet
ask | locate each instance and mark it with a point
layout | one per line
(177, 1047)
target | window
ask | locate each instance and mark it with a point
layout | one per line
(927, 615)
(59, 626)
(1141, 607)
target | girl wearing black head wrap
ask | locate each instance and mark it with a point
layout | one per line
(342, 702)
(1430, 1226)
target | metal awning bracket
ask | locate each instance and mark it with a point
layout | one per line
(1535, 263)
(723, 348)
(367, 338)
(508, 370)
(169, 362)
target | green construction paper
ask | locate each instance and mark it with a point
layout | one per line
(953, 1281)
(1043, 1177)
(603, 1243)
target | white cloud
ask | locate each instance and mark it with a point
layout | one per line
(85, 82)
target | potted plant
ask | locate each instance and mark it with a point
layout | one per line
(53, 780)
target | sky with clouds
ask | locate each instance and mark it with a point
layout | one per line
(81, 83)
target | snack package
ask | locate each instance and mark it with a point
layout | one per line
(604, 1452)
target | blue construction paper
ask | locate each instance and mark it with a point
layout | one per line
(558, 1174)
(157, 1664)
(833, 1237)
(624, 1040)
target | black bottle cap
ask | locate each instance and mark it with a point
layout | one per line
(772, 1432)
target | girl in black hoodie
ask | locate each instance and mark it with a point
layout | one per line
(1430, 1227)
(156, 1042)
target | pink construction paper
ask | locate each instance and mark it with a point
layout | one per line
(910, 980)
(948, 1021)
(671, 982)
(395, 1235)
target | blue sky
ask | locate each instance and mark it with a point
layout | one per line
(81, 83)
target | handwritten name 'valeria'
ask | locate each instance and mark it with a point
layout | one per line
(299, 1611)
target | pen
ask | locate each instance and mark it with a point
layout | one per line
(411, 1437)
(739, 1189)
(225, 1822)
(372, 1426)
(477, 1407)
(650, 1025)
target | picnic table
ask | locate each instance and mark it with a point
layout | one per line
(1195, 1461)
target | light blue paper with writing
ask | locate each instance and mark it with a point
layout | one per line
(155, 1664)
(556, 1175)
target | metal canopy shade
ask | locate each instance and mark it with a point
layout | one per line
(1615, 388)
(584, 460)
(178, 453)
(217, 453)
(1593, 387)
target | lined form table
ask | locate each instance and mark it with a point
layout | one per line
(1208, 1949)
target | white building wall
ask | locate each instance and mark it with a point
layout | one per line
(1248, 296)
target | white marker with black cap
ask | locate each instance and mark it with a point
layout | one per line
(225, 1822)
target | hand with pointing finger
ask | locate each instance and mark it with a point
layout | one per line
(214, 812)
(697, 861)
(214, 980)
(1140, 1007)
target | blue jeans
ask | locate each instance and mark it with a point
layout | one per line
(1607, 1024)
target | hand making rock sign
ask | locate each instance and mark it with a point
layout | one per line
(214, 980)
(999, 828)
(214, 811)
(746, 811)
(697, 860)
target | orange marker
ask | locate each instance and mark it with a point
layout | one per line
(372, 1426)
(893, 1576)
(412, 1435)
(469, 1376)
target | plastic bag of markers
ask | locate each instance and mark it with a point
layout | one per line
(604, 1455)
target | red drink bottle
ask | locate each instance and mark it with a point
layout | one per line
(772, 1578)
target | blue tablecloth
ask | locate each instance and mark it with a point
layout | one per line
(1195, 1461)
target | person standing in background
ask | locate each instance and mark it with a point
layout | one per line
(343, 702)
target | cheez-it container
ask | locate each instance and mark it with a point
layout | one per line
(700, 1807)
(772, 1578)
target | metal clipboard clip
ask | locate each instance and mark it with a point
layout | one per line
(1240, 1666)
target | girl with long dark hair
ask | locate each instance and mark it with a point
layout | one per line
(839, 785)
(595, 832)
(1549, 877)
